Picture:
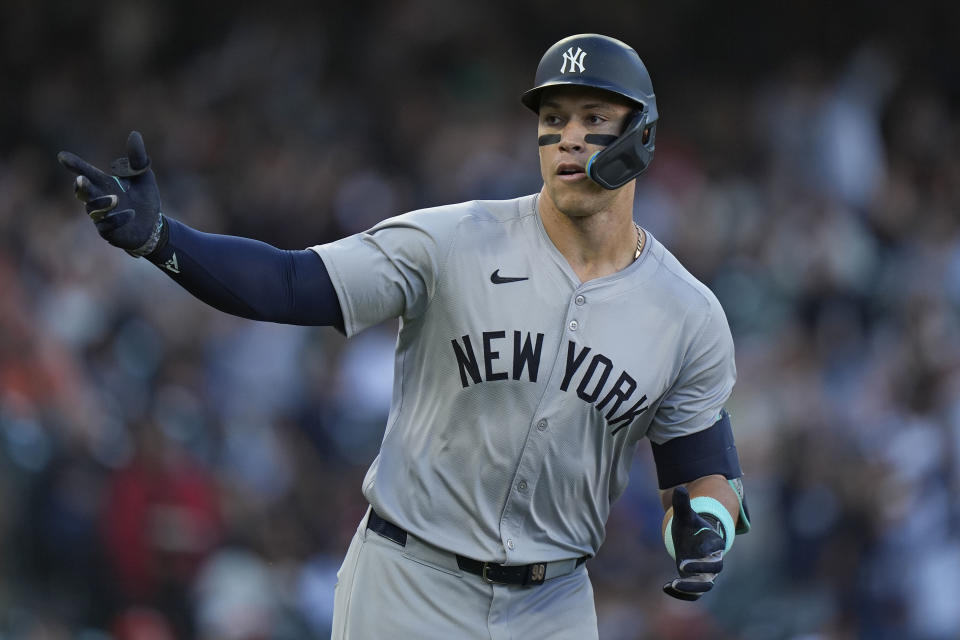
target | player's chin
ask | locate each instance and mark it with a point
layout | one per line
(577, 202)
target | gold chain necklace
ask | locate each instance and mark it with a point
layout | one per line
(639, 241)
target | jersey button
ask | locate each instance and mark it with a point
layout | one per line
(573, 325)
(542, 425)
(522, 486)
(580, 300)
(510, 544)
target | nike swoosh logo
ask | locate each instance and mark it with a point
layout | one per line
(496, 278)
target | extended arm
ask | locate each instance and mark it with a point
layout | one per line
(240, 276)
(249, 278)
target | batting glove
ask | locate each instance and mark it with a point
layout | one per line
(125, 206)
(699, 542)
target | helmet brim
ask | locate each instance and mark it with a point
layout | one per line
(531, 97)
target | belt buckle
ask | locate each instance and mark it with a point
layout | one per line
(484, 576)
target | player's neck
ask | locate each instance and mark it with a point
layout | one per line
(596, 245)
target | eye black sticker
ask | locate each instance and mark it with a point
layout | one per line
(602, 139)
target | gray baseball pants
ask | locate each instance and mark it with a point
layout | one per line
(417, 592)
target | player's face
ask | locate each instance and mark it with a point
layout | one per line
(573, 113)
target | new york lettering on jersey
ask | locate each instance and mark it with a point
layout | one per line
(595, 386)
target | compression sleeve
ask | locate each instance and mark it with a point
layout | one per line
(249, 278)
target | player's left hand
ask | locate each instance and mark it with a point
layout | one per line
(699, 542)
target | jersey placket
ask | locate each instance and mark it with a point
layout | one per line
(538, 431)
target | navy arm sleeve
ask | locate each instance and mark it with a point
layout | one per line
(249, 278)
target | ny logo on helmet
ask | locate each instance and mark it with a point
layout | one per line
(575, 60)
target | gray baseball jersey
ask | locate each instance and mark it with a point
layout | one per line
(520, 393)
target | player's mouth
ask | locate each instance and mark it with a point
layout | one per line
(570, 172)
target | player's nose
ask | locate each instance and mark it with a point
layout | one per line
(572, 137)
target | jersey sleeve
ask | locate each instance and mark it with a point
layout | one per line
(392, 269)
(705, 380)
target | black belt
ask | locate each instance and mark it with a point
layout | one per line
(491, 572)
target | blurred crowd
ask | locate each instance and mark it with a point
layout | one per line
(167, 471)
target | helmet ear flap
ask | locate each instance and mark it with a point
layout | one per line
(626, 157)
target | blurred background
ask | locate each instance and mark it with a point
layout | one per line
(167, 471)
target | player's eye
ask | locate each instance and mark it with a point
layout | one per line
(596, 119)
(551, 120)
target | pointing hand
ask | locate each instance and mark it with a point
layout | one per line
(124, 206)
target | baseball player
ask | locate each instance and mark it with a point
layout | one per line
(540, 340)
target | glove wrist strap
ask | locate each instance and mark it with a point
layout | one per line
(704, 505)
(152, 243)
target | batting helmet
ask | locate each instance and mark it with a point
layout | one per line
(601, 62)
